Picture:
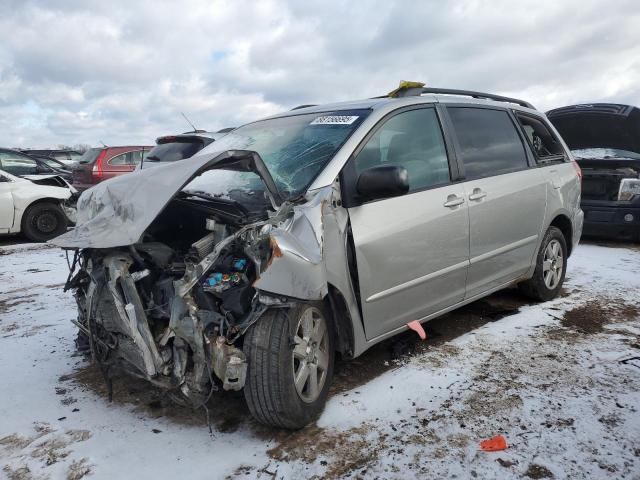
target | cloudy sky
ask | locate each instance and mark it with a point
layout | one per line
(82, 71)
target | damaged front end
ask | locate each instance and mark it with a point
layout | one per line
(173, 307)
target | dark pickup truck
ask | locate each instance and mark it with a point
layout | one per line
(604, 138)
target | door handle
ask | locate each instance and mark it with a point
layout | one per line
(477, 194)
(453, 201)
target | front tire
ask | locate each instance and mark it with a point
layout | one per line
(551, 266)
(43, 221)
(290, 353)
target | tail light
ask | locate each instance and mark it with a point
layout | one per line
(97, 172)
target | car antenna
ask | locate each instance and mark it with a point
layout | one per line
(189, 122)
(103, 144)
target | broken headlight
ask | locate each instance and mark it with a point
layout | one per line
(629, 188)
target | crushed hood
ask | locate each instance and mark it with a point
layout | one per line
(118, 211)
(598, 125)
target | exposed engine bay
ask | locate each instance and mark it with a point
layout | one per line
(171, 308)
(603, 180)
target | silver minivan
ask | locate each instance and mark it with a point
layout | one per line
(317, 232)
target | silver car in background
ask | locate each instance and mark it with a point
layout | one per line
(319, 231)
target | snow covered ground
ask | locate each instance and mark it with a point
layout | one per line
(558, 380)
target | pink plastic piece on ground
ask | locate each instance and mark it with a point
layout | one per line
(417, 327)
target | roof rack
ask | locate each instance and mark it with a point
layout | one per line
(303, 106)
(469, 93)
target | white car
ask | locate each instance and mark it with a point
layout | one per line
(37, 206)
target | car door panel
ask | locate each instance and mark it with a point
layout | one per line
(6, 204)
(412, 254)
(411, 251)
(504, 227)
(506, 196)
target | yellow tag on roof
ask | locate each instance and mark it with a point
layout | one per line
(403, 87)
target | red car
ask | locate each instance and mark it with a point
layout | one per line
(98, 164)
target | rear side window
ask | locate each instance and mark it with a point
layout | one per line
(128, 158)
(173, 151)
(412, 140)
(542, 141)
(90, 156)
(488, 140)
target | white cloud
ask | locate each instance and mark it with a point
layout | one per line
(122, 71)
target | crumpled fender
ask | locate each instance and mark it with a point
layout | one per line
(296, 268)
(116, 212)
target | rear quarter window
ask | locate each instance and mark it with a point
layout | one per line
(488, 141)
(543, 142)
(90, 156)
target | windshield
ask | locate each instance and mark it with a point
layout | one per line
(51, 162)
(604, 153)
(90, 155)
(295, 149)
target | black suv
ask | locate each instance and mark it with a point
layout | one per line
(605, 140)
(172, 148)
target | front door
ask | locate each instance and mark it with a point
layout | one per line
(412, 251)
(6, 203)
(506, 197)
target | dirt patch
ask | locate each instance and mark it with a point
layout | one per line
(227, 410)
(46, 445)
(35, 330)
(538, 471)
(78, 469)
(20, 473)
(341, 452)
(593, 316)
(5, 305)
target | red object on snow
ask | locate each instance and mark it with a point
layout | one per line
(494, 444)
(417, 327)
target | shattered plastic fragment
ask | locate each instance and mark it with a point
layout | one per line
(494, 444)
(416, 326)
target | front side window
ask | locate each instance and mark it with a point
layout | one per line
(413, 140)
(488, 140)
(544, 144)
(17, 164)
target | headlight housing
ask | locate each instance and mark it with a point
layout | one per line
(629, 188)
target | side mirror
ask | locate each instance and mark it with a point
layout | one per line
(383, 182)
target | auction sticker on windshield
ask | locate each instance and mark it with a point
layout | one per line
(335, 120)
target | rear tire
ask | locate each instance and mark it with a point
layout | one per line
(43, 221)
(551, 266)
(283, 345)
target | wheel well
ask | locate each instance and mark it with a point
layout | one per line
(36, 202)
(563, 223)
(341, 319)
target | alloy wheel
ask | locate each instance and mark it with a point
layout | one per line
(552, 264)
(310, 354)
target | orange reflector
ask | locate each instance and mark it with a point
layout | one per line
(494, 444)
